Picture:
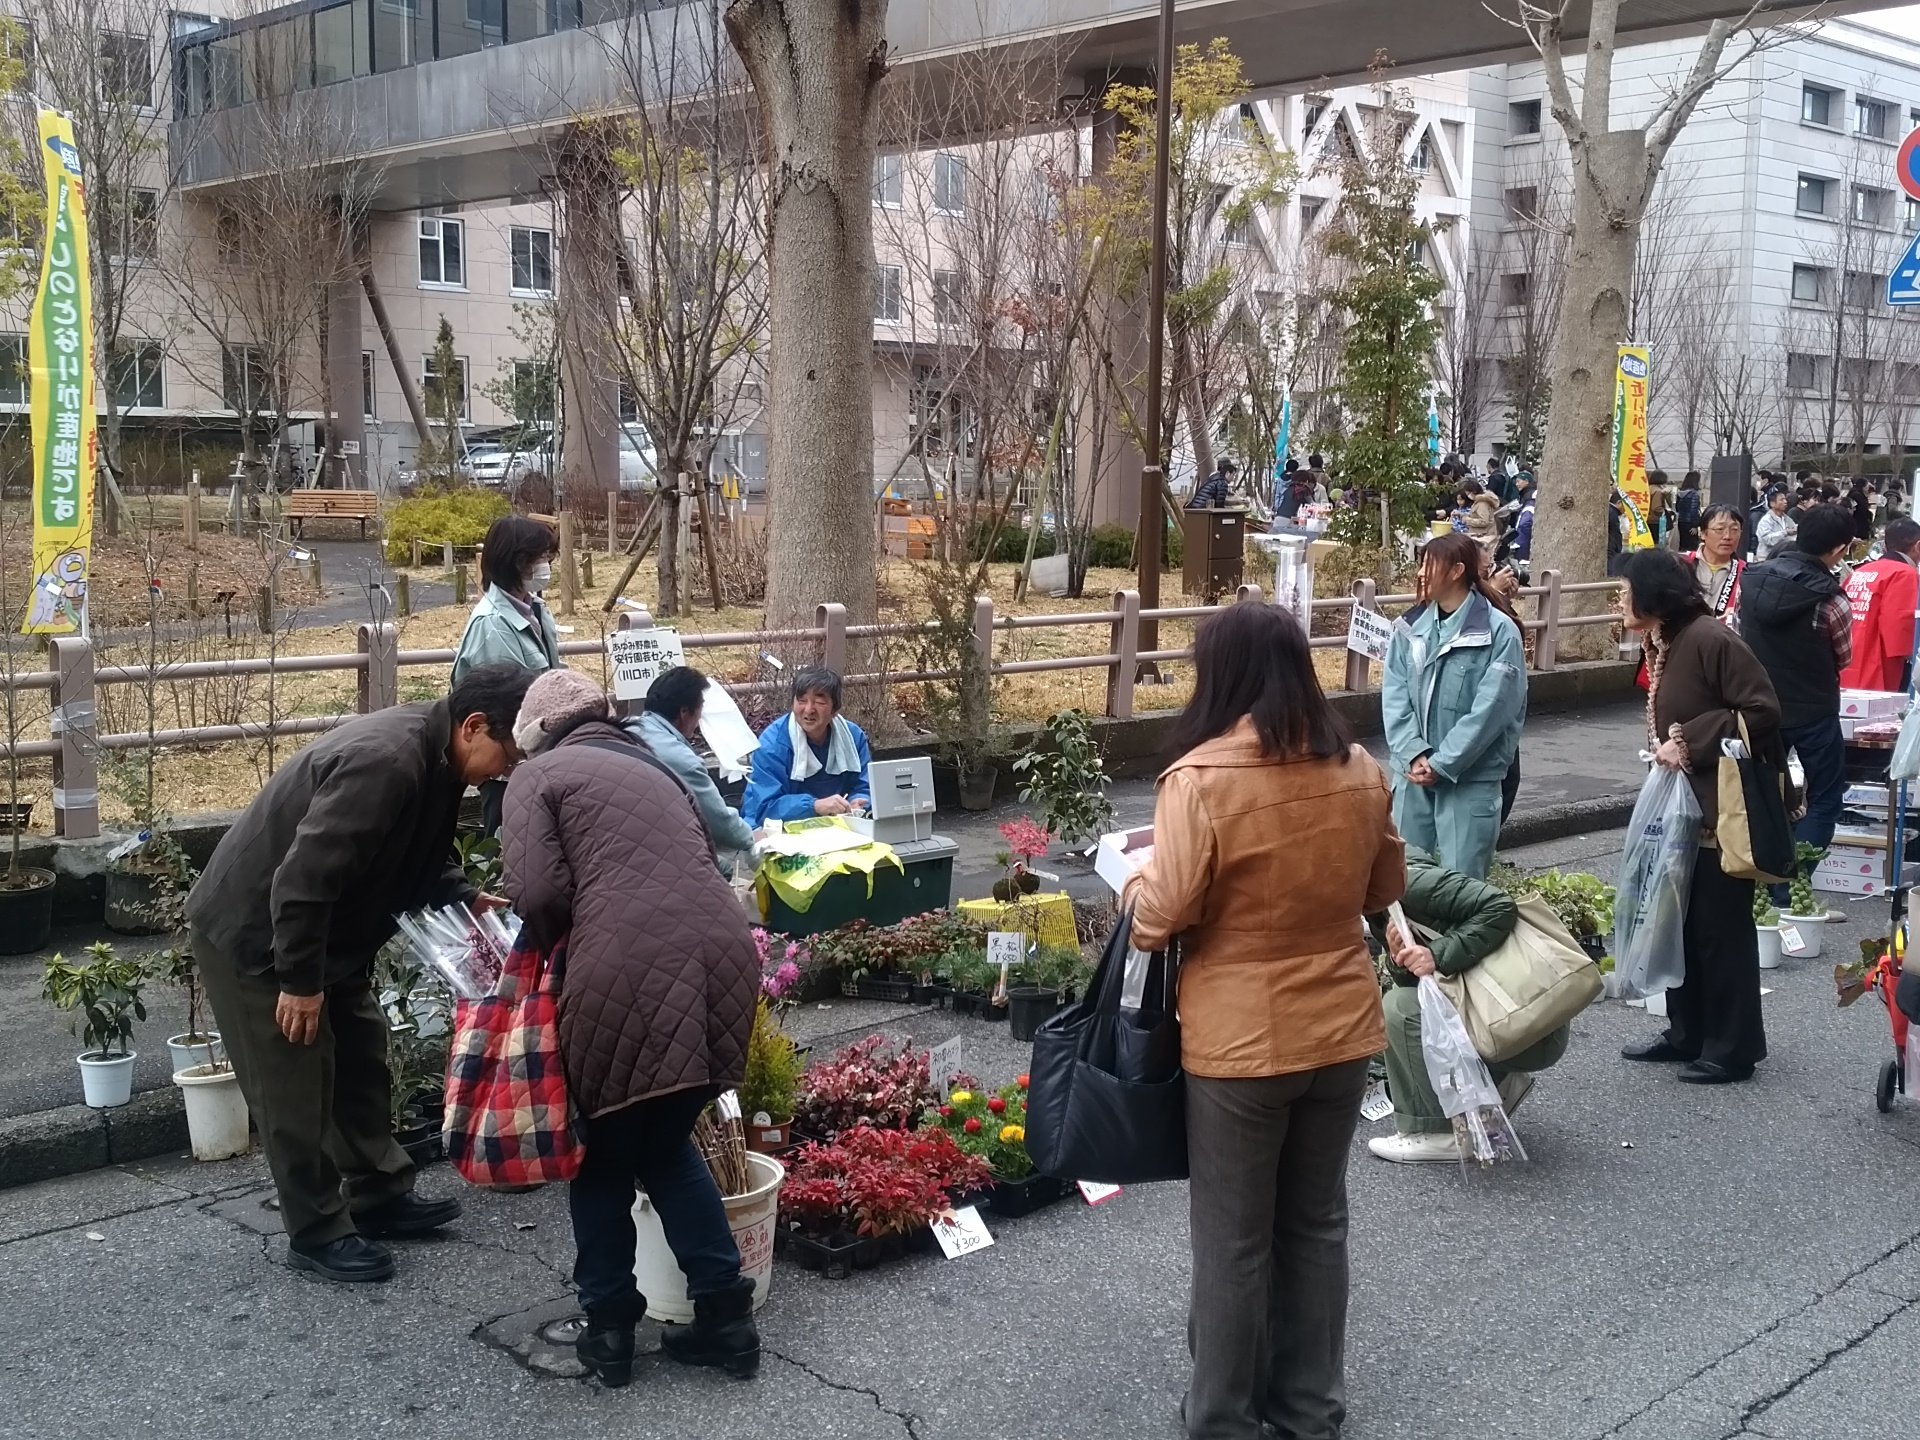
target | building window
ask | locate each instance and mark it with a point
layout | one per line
(243, 379)
(1523, 204)
(889, 181)
(949, 297)
(137, 235)
(1310, 212)
(1818, 105)
(369, 398)
(1811, 199)
(1316, 107)
(532, 261)
(629, 406)
(949, 184)
(443, 251)
(1515, 287)
(1421, 160)
(1872, 118)
(886, 292)
(1862, 290)
(1872, 206)
(1803, 372)
(1913, 212)
(1809, 284)
(430, 386)
(135, 375)
(13, 369)
(1523, 117)
(1859, 376)
(126, 68)
(229, 233)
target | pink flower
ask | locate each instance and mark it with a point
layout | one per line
(1026, 838)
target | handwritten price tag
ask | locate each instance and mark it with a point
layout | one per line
(1375, 1105)
(943, 1063)
(1004, 947)
(1096, 1193)
(962, 1233)
(1791, 941)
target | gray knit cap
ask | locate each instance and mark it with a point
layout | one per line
(556, 702)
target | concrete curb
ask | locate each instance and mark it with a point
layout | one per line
(1559, 822)
(45, 1144)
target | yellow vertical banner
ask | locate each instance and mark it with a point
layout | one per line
(1632, 374)
(60, 373)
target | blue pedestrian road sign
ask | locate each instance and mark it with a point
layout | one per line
(1903, 281)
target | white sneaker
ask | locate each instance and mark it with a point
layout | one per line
(1416, 1149)
(1513, 1088)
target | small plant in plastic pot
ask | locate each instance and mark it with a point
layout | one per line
(103, 994)
(1766, 929)
(1806, 914)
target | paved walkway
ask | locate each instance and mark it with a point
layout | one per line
(1674, 1264)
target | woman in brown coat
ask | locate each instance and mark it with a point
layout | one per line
(1272, 837)
(605, 847)
(1702, 681)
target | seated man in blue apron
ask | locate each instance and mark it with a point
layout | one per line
(812, 763)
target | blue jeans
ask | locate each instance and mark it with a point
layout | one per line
(1823, 759)
(649, 1141)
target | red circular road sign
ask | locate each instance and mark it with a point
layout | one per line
(1907, 164)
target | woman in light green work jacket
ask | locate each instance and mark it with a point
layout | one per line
(510, 624)
(1454, 702)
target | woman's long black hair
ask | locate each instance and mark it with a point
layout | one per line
(1252, 659)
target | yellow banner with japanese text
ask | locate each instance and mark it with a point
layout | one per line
(60, 374)
(1632, 375)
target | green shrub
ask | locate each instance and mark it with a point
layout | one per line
(1010, 546)
(444, 517)
(1112, 547)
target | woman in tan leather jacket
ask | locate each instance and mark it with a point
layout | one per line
(1272, 838)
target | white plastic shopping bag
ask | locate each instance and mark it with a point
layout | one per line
(1463, 1083)
(1656, 869)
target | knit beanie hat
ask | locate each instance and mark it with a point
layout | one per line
(557, 701)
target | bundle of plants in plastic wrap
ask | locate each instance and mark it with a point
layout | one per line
(1463, 1083)
(466, 950)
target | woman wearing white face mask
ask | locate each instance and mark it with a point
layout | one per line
(510, 624)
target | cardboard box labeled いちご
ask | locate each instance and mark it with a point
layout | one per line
(1121, 854)
(1861, 886)
(1870, 704)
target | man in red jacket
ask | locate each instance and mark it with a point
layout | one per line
(1883, 596)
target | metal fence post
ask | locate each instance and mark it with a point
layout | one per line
(634, 617)
(833, 645)
(1359, 668)
(613, 521)
(380, 680)
(983, 648)
(1546, 650)
(1249, 592)
(1124, 644)
(76, 776)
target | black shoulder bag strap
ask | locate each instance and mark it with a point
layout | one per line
(634, 750)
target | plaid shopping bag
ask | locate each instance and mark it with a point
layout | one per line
(510, 1123)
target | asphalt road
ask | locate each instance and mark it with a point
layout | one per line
(1673, 1264)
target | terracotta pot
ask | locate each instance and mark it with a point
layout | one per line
(770, 1139)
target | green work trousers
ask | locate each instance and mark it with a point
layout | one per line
(1416, 1109)
(322, 1110)
(1459, 825)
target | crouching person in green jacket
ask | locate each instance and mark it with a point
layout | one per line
(1470, 920)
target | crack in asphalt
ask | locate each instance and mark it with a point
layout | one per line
(909, 1421)
(1758, 1408)
(1755, 1409)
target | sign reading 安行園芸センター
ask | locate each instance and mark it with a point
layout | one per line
(638, 658)
(1632, 376)
(60, 379)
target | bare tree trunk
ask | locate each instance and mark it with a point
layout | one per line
(667, 564)
(817, 67)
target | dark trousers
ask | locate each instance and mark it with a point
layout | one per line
(649, 1142)
(1715, 1014)
(493, 798)
(1510, 788)
(1268, 1322)
(322, 1110)
(1823, 756)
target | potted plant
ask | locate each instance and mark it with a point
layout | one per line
(199, 1043)
(1583, 903)
(1067, 778)
(993, 1128)
(868, 1195)
(863, 1087)
(26, 891)
(1047, 976)
(1766, 928)
(1804, 912)
(103, 991)
(1025, 841)
(772, 1079)
(417, 1009)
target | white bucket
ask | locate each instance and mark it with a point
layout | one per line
(107, 1083)
(186, 1056)
(1769, 938)
(1811, 928)
(751, 1216)
(216, 1111)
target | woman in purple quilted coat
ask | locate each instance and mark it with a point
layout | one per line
(604, 845)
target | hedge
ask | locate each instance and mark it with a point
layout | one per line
(449, 517)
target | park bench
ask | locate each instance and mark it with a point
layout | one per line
(303, 505)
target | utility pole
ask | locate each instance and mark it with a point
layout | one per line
(1153, 476)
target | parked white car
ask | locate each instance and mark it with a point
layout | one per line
(500, 466)
(639, 466)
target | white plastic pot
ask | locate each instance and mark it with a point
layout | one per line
(216, 1111)
(107, 1082)
(751, 1216)
(1811, 928)
(1769, 938)
(186, 1056)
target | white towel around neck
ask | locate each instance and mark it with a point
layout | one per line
(842, 755)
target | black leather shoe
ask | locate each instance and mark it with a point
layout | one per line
(722, 1334)
(605, 1347)
(1706, 1072)
(352, 1260)
(407, 1215)
(1656, 1049)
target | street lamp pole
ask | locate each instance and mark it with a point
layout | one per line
(1153, 478)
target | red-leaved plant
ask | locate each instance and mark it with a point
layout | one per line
(861, 1086)
(876, 1182)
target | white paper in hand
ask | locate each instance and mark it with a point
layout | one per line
(727, 733)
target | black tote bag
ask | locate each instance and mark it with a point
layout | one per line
(1106, 1098)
